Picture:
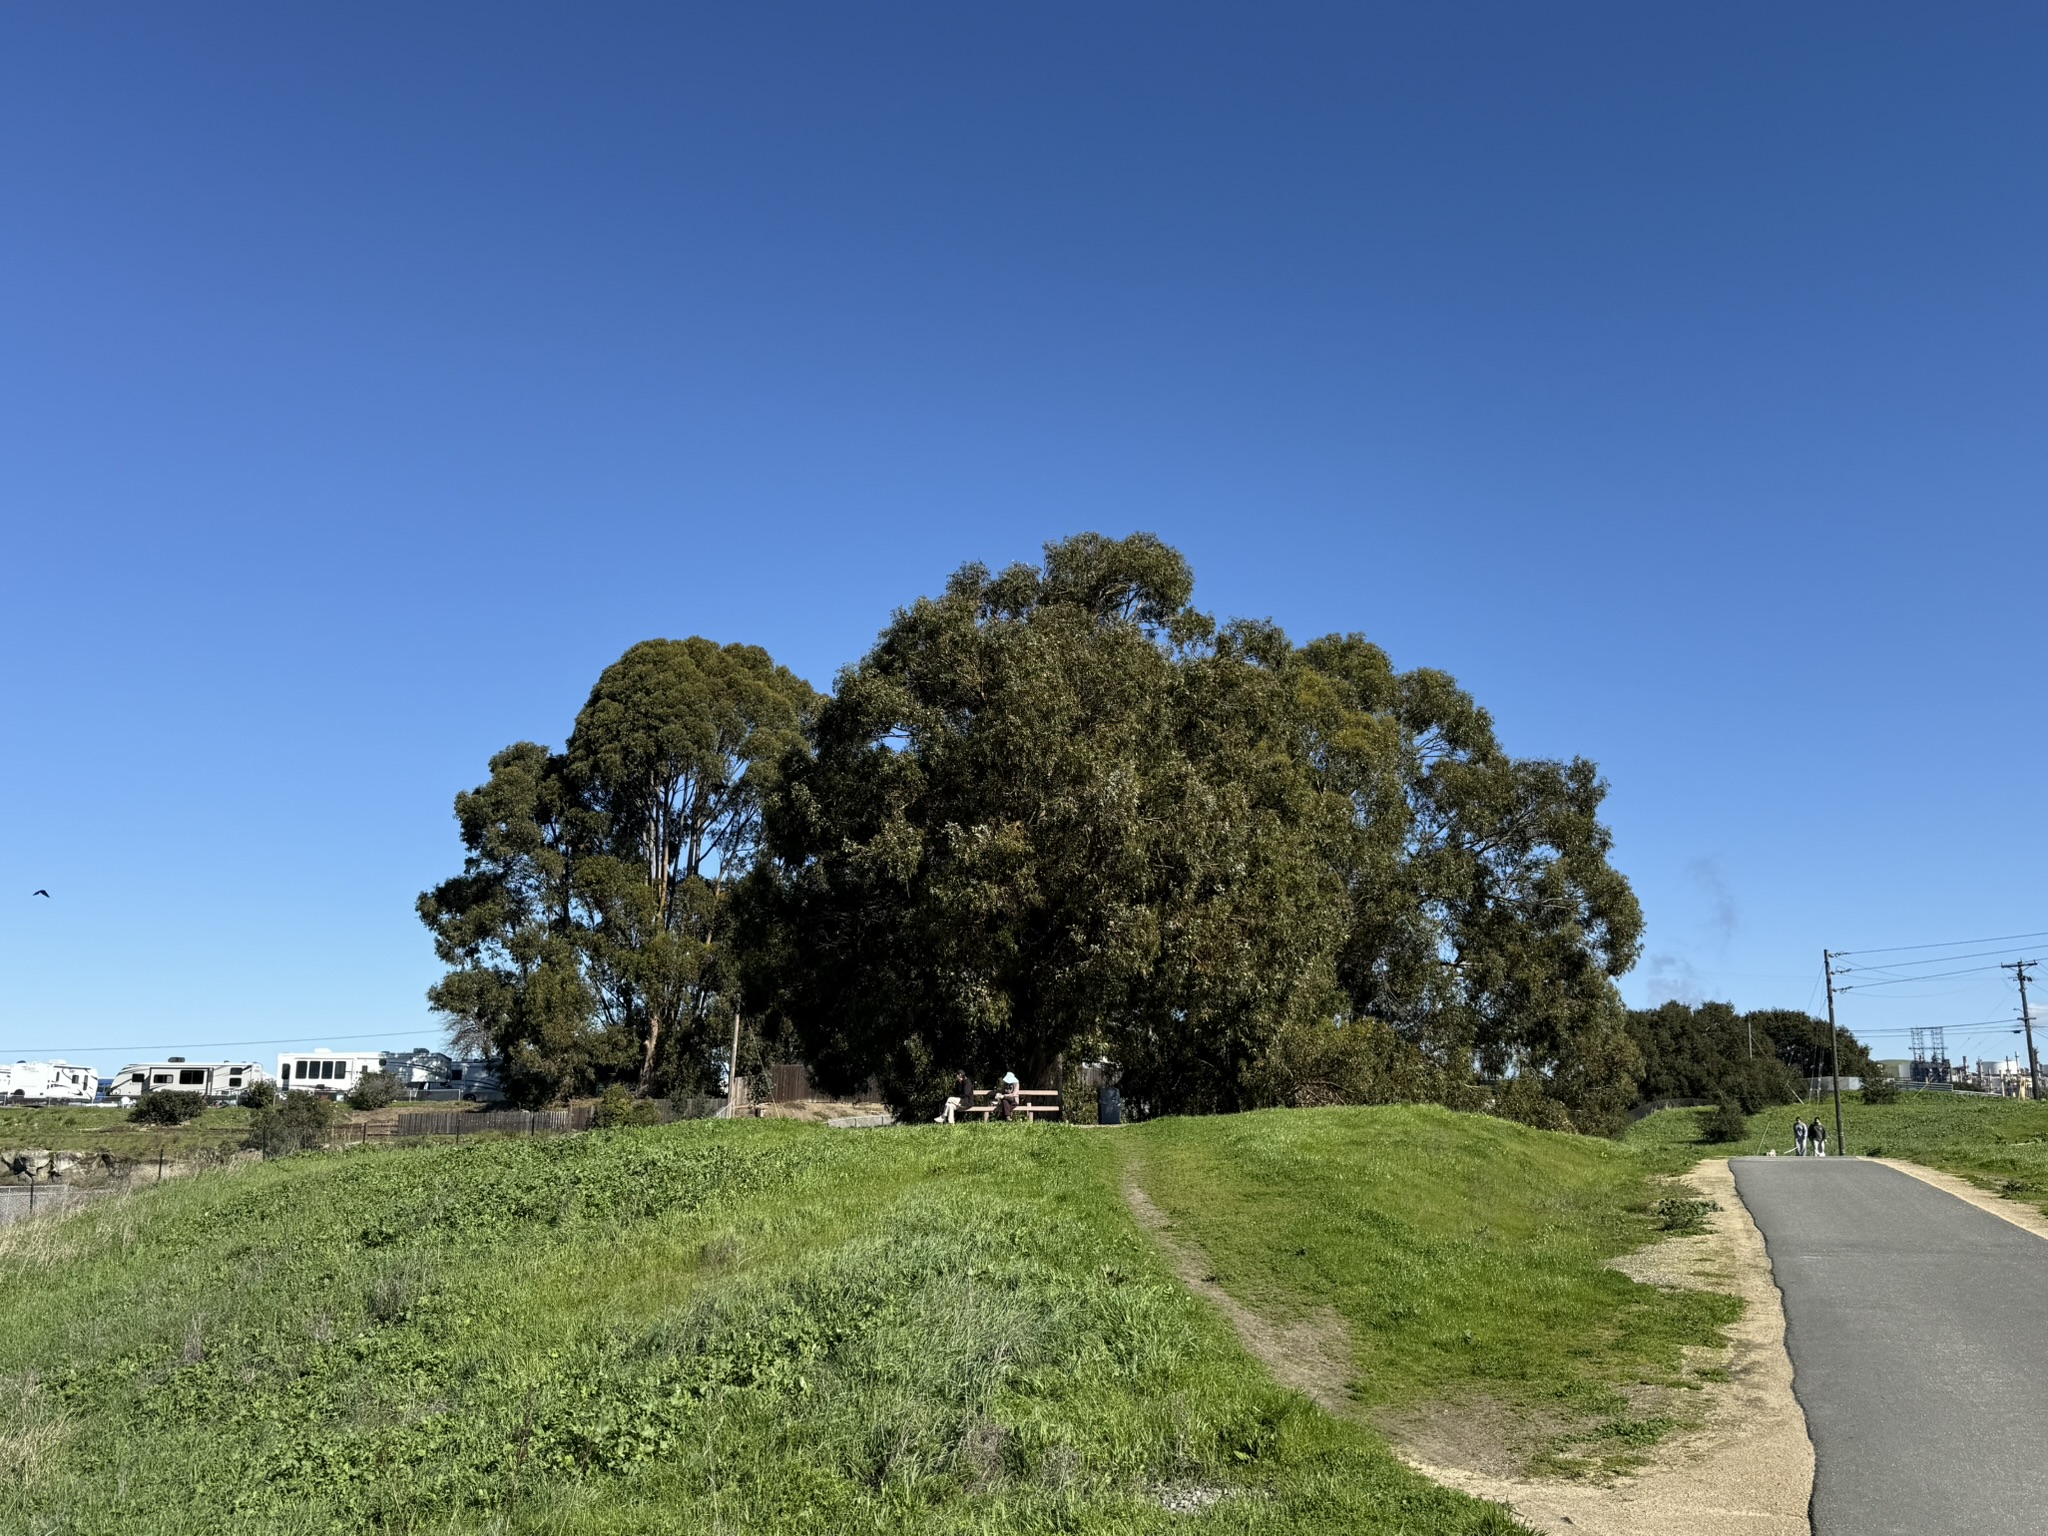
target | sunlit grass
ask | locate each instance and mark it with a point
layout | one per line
(703, 1327)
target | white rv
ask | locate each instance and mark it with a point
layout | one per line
(48, 1082)
(324, 1071)
(421, 1074)
(217, 1080)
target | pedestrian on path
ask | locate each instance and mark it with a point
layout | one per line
(1818, 1135)
(1798, 1137)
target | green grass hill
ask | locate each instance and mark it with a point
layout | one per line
(774, 1327)
(2001, 1143)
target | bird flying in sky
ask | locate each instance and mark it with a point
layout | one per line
(44, 894)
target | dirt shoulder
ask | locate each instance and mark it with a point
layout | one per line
(1746, 1468)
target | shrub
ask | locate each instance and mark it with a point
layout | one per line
(1723, 1122)
(1679, 1214)
(260, 1094)
(298, 1123)
(373, 1090)
(614, 1107)
(168, 1106)
(1524, 1101)
(1880, 1090)
(617, 1106)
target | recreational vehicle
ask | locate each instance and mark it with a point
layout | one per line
(48, 1082)
(219, 1081)
(421, 1074)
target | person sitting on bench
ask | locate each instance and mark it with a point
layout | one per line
(1009, 1100)
(962, 1097)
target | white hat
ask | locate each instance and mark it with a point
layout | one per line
(1009, 1077)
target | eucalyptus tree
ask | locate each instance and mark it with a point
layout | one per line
(1487, 924)
(670, 755)
(510, 929)
(583, 934)
(1044, 813)
(1056, 808)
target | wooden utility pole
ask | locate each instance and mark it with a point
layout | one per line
(2019, 968)
(732, 1073)
(1827, 965)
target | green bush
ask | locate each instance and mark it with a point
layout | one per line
(1880, 1090)
(614, 1107)
(260, 1094)
(373, 1090)
(1723, 1122)
(168, 1106)
(617, 1106)
(298, 1123)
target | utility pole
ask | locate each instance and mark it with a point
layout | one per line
(2019, 969)
(732, 1073)
(1827, 965)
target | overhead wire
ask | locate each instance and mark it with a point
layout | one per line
(200, 1045)
(1900, 949)
(1899, 981)
(1900, 965)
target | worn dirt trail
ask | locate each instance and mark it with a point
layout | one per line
(1747, 1470)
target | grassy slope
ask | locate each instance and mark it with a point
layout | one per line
(89, 1128)
(2003, 1143)
(1465, 1252)
(698, 1327)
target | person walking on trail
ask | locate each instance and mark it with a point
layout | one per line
(962, 1097)
(1818, 1135)
(1798, 1137)
(1009, 1098)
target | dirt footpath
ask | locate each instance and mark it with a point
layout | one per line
(1747, 1470)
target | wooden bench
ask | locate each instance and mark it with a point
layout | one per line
(1037, 1104)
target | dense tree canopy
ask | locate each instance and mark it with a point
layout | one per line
(1058, 810)
(1709, 1051)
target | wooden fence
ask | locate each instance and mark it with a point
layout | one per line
(537, 1122)
(790, 1083)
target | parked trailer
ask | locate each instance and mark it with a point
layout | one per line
(48, 1082)
(218, 1081)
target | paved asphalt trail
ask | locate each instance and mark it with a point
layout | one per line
(1913, 1320)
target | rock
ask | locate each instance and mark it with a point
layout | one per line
(29, 1162)
(64, 1164)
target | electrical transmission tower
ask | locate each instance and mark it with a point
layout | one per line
(1930, 1054)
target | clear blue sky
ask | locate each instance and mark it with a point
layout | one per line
(372, 375)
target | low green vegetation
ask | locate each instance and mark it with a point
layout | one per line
(1467, 1255)
(106, 1129)
(2001, 1143)
(168, 1106)
(769, 1326)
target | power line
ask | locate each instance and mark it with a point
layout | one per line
(1899, 949)
(1900, 981)
(1900, 965)
(1972, 1024)
(199, 1045)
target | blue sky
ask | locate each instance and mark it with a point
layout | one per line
(371, 376)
